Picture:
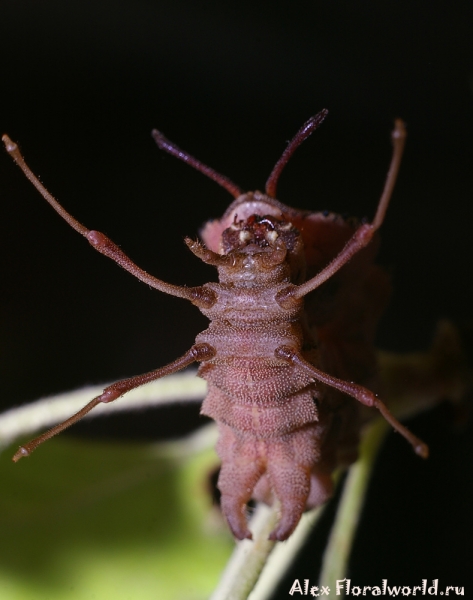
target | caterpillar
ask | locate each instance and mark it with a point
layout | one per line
(290, 344)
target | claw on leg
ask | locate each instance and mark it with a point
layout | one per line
(242, 467)
(290, 459)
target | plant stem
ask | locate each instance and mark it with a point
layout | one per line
(337, 552)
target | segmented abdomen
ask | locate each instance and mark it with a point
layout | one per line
(270, 434)
(251, 390)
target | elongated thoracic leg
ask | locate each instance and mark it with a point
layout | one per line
(198, 352)
(358, 392)
(200, 296)
(362, 236)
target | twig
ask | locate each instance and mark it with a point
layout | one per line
(337, 552)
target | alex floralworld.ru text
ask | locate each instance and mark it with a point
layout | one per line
(303, 587)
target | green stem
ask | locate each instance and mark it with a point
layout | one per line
(337, 552)
(256, 567)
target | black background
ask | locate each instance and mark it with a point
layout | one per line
(83, 83)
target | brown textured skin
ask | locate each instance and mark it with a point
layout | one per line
(265, 353)
(282, 434)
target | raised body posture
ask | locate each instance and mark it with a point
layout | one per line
(281, 376)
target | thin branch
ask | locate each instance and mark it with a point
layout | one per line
(284, 555)
(249, 557)
(337, 552)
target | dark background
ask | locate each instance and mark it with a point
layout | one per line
(83, 83)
